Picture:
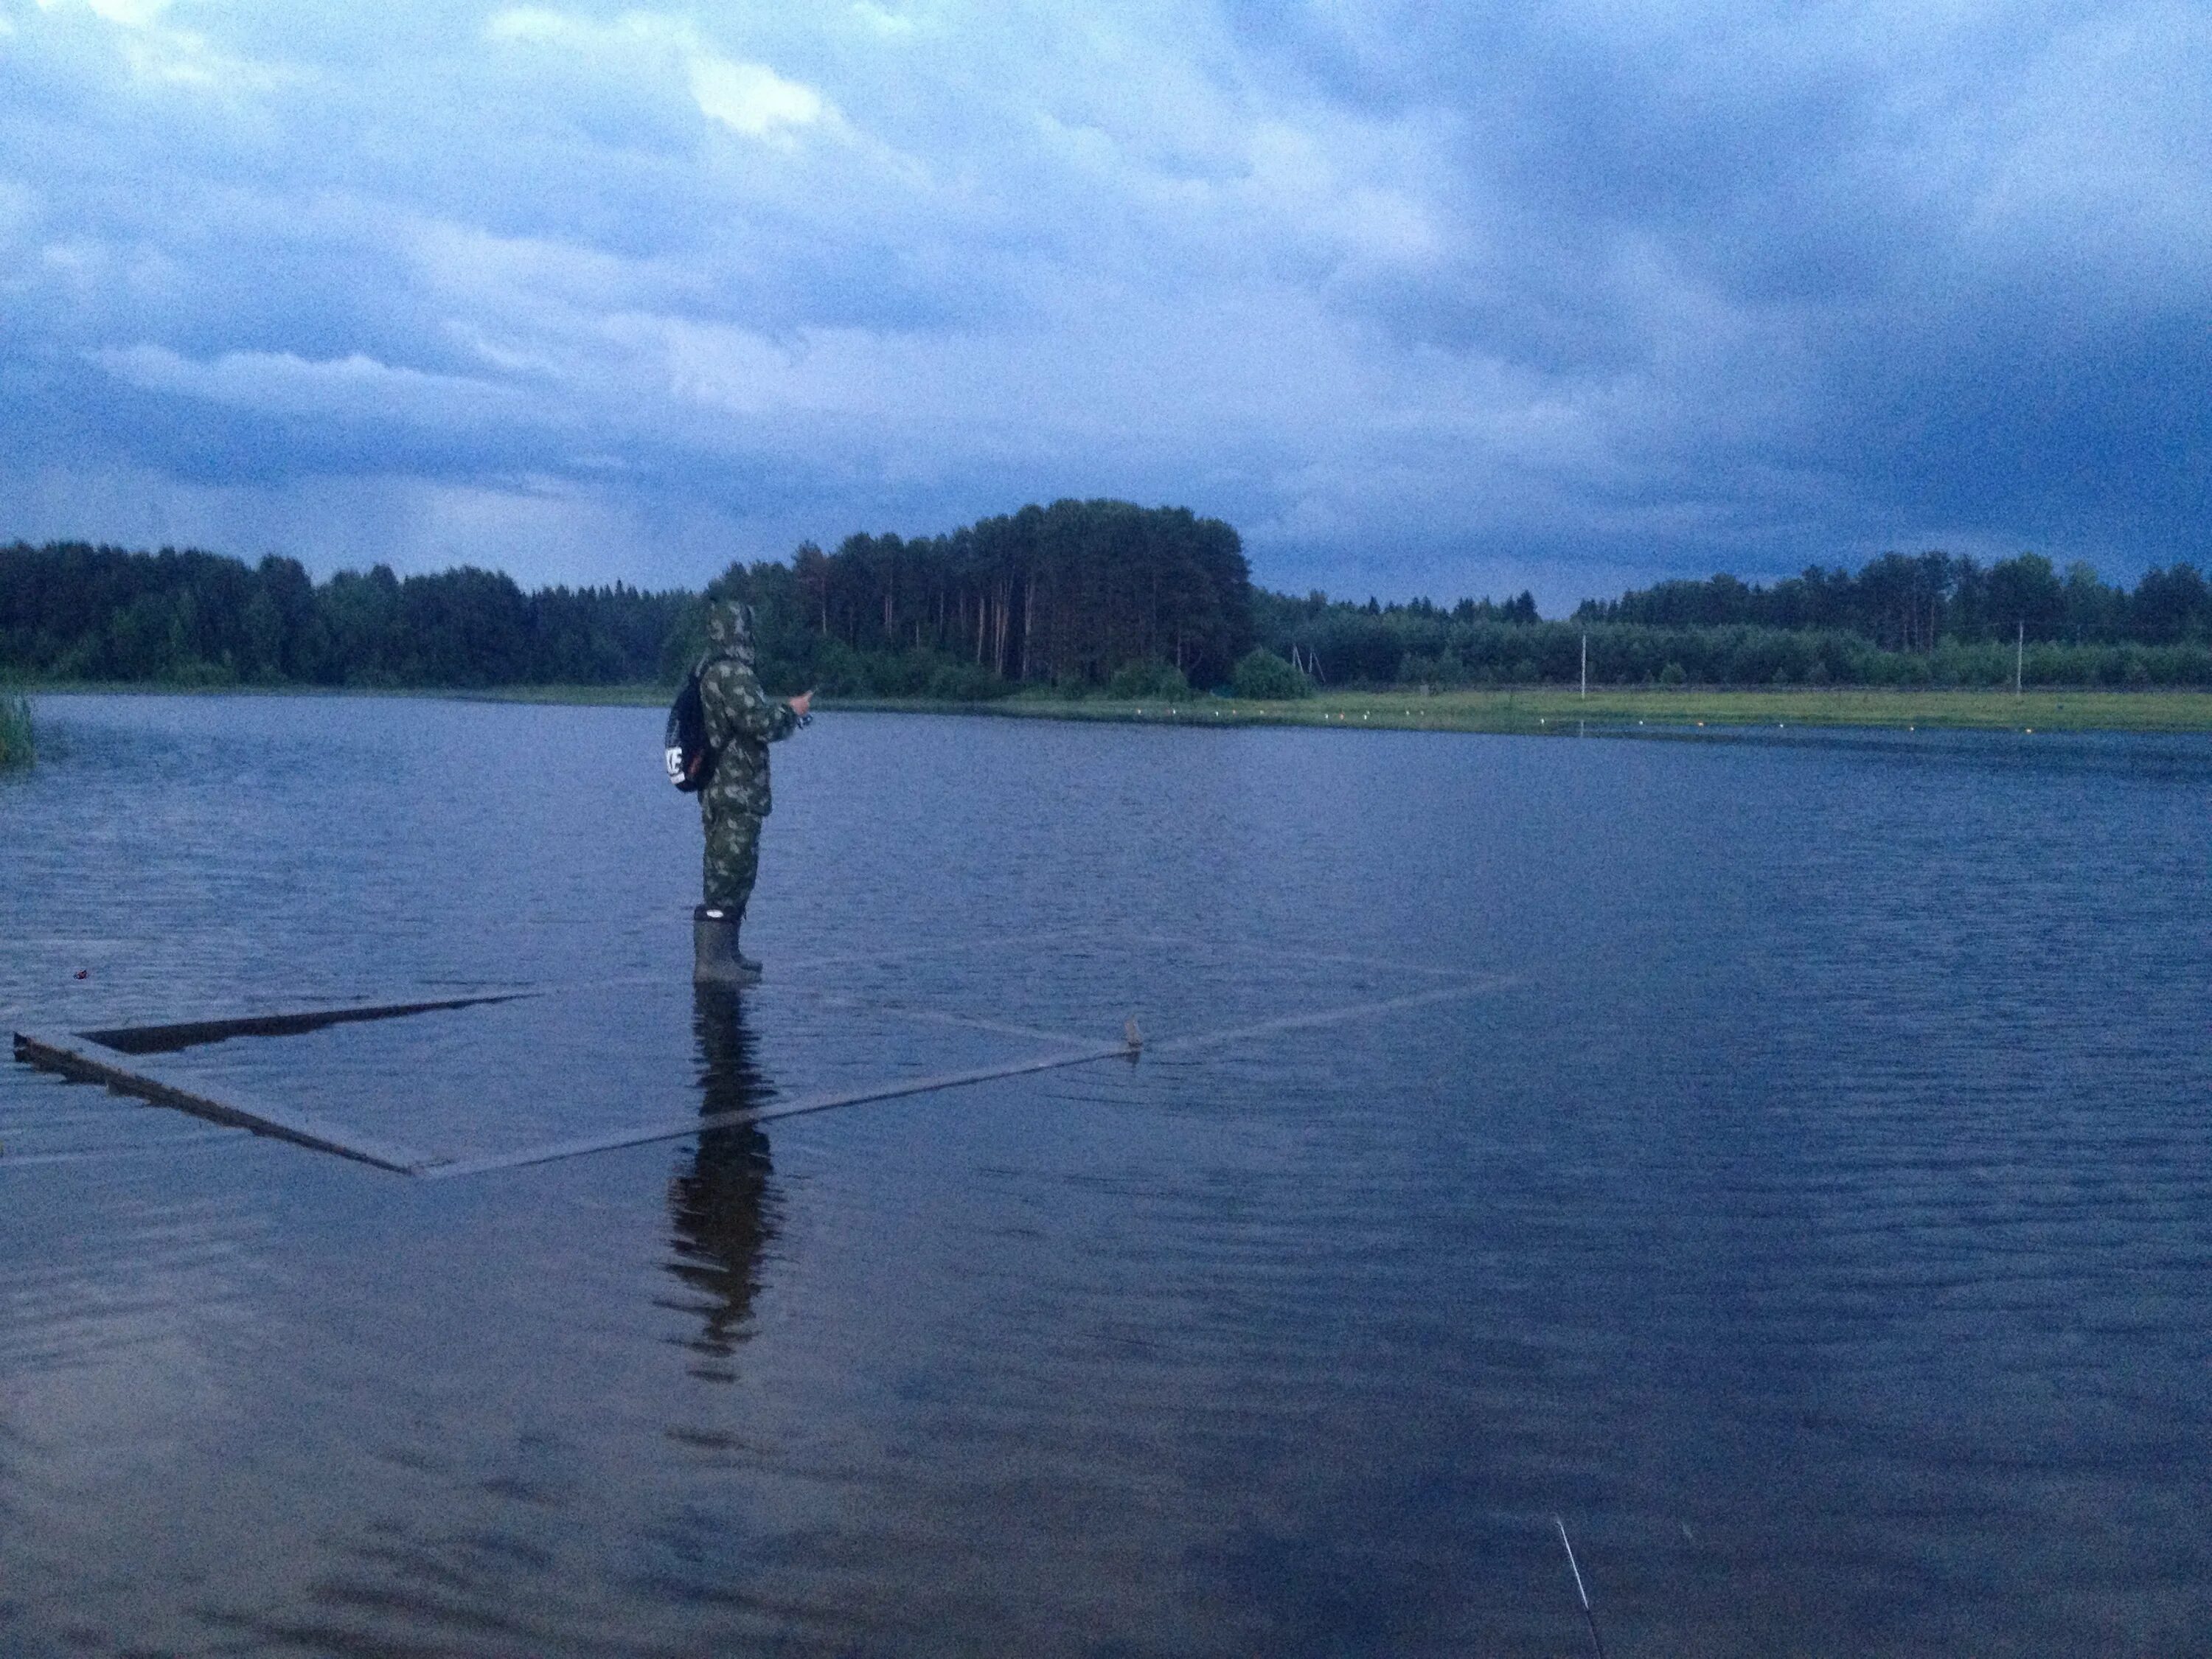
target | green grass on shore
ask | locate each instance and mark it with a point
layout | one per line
(1533, 709)
(1550, 710)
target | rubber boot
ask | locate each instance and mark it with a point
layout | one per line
(716, 959)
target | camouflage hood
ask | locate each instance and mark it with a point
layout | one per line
(730, 630)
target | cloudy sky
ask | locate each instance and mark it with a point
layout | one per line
(1446, 300)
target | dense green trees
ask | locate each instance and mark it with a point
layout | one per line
(1080, 597)
(1071, 595)
(1262, 675)
(1909, 604)
(1933, 619)
(70, 611)
(1349, 645)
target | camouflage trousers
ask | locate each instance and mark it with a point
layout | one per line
(732, 858)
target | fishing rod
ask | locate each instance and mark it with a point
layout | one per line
(1597, 1642)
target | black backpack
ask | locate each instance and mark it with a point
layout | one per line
(690, 762)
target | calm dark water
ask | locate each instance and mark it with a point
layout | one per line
(1809, 1197)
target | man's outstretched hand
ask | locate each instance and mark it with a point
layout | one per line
(800, 704)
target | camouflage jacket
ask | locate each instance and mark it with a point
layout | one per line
(742, 720)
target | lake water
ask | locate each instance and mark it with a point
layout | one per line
(1782, 1157)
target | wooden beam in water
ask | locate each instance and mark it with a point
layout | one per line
(168, 1039)
(59, 1056)
(681, 1128)
(1330, 1016)
(148, 1082)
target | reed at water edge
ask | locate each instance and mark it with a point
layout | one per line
(16, 747)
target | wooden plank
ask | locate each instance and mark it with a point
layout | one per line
(147, 1082)
(1329, 1016)
(681, 1128)
(168, 1039)
(699, 1122)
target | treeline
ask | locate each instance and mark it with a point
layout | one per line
(1931, 620)
(1350, 648)
(1076, 599)
(1080, 596)
(69, 611)
(1915, 604)
(1072, 595)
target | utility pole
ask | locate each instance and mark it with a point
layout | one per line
(2019, 657)
(1586, 668)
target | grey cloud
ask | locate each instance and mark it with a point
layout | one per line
(1538, 295)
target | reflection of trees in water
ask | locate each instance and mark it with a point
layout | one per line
(719, 1199)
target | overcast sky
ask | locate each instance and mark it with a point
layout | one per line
(1451, 299)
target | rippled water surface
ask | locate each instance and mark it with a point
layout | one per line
(1785, 1159)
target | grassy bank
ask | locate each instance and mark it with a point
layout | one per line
(1552, 710)
(1533, 709)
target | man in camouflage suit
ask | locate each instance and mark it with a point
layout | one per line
(741, 721)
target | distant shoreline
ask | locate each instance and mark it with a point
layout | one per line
(1550, 710)
(1533, 710)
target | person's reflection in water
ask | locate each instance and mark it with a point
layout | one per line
(719, 1200)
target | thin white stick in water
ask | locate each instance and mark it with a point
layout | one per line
(1588, 1617)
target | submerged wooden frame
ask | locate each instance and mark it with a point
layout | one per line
(157, 1084)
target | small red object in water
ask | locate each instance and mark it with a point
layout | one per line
(84, 973)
